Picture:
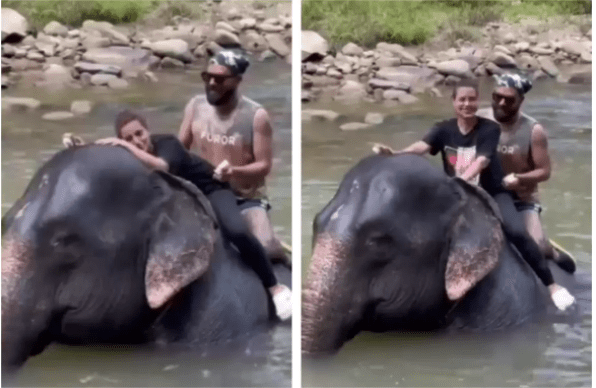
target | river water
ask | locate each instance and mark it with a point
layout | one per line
(28, 141)
(554, 354)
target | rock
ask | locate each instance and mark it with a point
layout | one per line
(344, 67)
(480, 71)
(583, 75)
(123, 57)
(226, 38)
(248, 23)
(57, 73)
(491, 69)
(376, 83)
(8, 50)
(334, 73)
(107, 30)
(522, 46)
(93, 42)
(353, 126)
(80, 107)
(5, 82)
(457, 67)
(93, 68)
(528, 62)
(313, 45)
(352, 89)
(352, 49)
(388, 61)
(419, 78)
(19, 103)
(57, 116)
(14, 26)
(171, 63)
(548, 66)
(509, 38)
(269, 28)
(502, 60)
(55, 28)
(586, 57)
(48, 49)
(306, 96)
(267, 55)
(149, 76)
(252, 41)
(541, 50)
(400, 95)
(35, 56)
(173, 48)
(328, 115)
(117, 83)
(435, 92)
(503, 50)
(572, 47)
(277, 44)
(374, 118)
(451, 80)
(213, 48)
(101, 79)
(539, 74)
(225, 26)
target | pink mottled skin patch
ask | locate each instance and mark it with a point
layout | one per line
(15, 258)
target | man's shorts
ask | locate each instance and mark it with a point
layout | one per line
(525, 206)
(247, 203)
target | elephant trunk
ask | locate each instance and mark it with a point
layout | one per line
(324, 298)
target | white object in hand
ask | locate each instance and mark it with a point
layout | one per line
(217, 171)
(563, 299)
(283, 303)
(509, 179)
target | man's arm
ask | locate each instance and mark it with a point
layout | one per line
(540, 157)
(153, 162)
(185, 133)
(419, 148)
(262, 148)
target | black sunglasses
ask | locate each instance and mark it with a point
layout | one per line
(218, 78)
(508, 100)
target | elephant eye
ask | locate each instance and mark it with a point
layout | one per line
(64, 240)
(379, 240)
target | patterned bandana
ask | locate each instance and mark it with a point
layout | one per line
(237, 63)
(515, 81)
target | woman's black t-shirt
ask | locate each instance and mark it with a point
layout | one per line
(185, 164)
(458, 151)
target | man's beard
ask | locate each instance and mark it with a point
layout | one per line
(216, 100)
(502, 116)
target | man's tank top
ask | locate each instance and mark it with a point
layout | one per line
(515, 151)
(229, 139)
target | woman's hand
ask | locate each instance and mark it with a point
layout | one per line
(382, 149)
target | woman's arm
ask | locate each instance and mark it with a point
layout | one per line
(153, 162)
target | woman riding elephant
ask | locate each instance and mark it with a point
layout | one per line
(166, 153)
(468, 145)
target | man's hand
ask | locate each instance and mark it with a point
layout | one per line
(224, 171)
(382, 149)
(511, 182)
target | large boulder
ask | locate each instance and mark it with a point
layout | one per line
(226, 38)
(548, 66)
(173, 48)
(20, 103)
(253, 41)
(107, 30)
(124, 57)
(572, 47)
(376, 83)
(55, 28)
(352, 90)
(93, 68)
(313, 45)
(14, 26)
(419, 78)
(457, 67)
(277, 45)
(352, 49)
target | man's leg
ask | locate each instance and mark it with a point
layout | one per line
(260, 225)
(533, 222)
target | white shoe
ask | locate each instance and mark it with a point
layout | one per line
(563, 299)
(282, 300)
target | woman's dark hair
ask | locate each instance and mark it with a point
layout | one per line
(126, 116)
(465, 83)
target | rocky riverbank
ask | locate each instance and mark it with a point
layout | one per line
(391, 72)
(101, 55)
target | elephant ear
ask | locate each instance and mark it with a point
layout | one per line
(476, 240)
(181, 241)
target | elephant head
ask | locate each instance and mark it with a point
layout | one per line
(95, 248)
(394, 249)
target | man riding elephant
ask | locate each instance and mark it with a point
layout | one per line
(468, 145)
(232, 131)
(164, 152)
(523, 151)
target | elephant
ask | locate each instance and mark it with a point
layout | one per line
(404, 247)
(102, 250)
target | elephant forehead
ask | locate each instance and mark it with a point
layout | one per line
(70, 187)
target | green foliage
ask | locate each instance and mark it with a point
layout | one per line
(75, 12)
(366, 22)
